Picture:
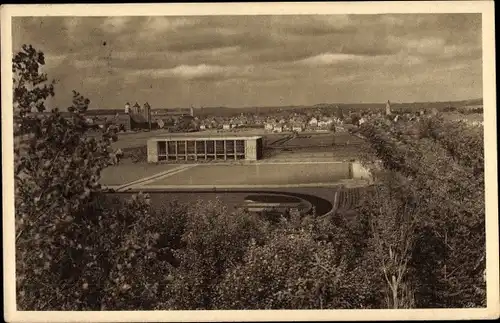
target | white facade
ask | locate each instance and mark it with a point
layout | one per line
(324, 123)
(313, 122)
(268, 126)
(192, 148)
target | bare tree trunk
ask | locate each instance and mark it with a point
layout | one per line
(394, 293)
(393, 240)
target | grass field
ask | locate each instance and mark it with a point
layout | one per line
(125, 173)
(258, 174)
(340, 146)
(309, 140)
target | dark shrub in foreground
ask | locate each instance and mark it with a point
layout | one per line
(214, 240)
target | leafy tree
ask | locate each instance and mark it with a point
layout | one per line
(31, 86)
(214, 240)
(391, 215)
(141, 257)
(354, 118)
(80, 103)
(56, 184)
(339, 113)
(305, 263)
(291, 271)
(443, 172)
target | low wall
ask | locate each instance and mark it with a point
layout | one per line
(358, 171)
(152, 147)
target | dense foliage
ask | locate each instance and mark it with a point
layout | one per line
(30, 84)
(56, 179)
(439, 167)
(205, 257)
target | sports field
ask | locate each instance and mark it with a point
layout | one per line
(257, 174)
(126, 173)
(311, 140)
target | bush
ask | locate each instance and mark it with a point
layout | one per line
(72, 265)
(136, 154)
(141, 260)
(213, 241)
(291, 271)
(306, 263)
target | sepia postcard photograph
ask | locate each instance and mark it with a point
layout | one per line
(249, 161)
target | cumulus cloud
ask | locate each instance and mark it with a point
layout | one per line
(89, 63)
(161, 24)
(429, 45)
(331, 58)
(312, 26)
(456, 51)
(187, 71)
(194, 71)
(115, 24)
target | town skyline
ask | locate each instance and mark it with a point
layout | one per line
(141, 104)
(242, 61)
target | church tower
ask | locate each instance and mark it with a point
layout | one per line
(388, 108)
(136, 108)
(147, 113)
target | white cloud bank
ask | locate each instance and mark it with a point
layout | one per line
(330, 58)
(195, 71)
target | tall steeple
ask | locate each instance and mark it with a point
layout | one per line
(147, 113)
(388, 108)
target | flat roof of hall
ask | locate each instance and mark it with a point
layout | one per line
(198, 137)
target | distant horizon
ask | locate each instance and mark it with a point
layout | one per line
(280, 106)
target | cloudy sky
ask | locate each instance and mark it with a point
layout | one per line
(259, 60)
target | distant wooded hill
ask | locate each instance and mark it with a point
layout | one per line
(230, 111)
(227, 111)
